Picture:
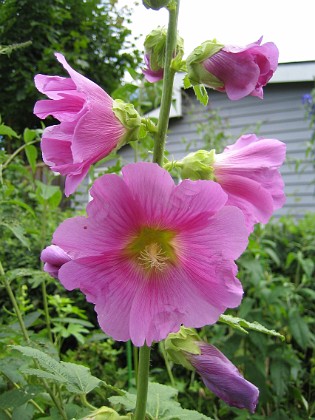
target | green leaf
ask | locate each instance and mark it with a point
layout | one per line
(240, 324)
(76, 378)
(17, 397)
(299, 329)
(280, 375)
(201, 94)
(48, 193)
(18, 231)
(7, 131)
(31, 154)
(161, 404)
(29, 135)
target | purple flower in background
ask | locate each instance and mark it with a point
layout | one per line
(223, 378)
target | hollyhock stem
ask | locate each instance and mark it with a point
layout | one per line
(158, 155)
(142, 384)
(169, 73)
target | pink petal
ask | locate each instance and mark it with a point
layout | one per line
(65, 109)
(54, 86)
(102, 129)
(250, 196)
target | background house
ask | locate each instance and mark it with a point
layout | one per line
(279, 115)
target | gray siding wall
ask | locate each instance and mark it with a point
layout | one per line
(279, 115)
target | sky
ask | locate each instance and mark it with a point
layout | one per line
(290, 24)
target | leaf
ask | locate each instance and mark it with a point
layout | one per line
(29, 135)
(240, 324)
(161, 404)
(7, 131)
(31, 154)
(76, 378)
(18, 231)
(201, 94)
(299, 329)
(280, 375)
(17, 397)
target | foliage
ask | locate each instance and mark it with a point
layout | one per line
(277, 271)
(92, 34)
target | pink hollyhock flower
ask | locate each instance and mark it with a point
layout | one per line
(54, 257)
(248, 172)
(238, 71)
(223, 378)
(151, 255)
(152, 76)
(92, 125)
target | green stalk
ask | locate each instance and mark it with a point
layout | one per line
(158, 157)
(129, 362)
(168, 81)
(143, 381)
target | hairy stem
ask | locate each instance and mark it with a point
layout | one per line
(142, 384)
(168, 81)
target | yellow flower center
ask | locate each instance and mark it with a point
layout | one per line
(152, 249)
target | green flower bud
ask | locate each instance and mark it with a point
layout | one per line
(106, 413)
(129, 118)
(197, 165)
(180, 343)
(155, 46)
(197, 74)
(155, 4)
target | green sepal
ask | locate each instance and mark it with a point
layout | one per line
(130, 119)
(106, 413)
(197, 165)
(155, 48)
(155, 4)
(196, 72)
(180, 343)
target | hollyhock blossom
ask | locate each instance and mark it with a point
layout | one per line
(216, 370)
(238, 71)
(54, 257)
(248, 171)
(152, 255)
(92, 124)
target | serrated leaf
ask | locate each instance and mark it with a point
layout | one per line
(240, 324)
(161, 404)
(201, 94)
(82, 382)
(31, 154)
(76, 378)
